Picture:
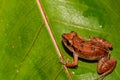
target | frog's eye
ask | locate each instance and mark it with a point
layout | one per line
(69, 42)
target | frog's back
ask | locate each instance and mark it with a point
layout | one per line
(87, 50)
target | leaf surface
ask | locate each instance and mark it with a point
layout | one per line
(27, 51)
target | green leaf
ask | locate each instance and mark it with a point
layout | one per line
(87, 18)
(27, 51)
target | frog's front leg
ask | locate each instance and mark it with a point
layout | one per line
(106, 66)
(72, 64)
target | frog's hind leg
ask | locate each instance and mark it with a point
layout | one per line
(106, 66)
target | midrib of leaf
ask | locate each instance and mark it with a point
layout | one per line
(52, 37)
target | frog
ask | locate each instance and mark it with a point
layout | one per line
(93, 49)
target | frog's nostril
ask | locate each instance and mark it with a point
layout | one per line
(63, 36)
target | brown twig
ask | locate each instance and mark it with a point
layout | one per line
(52, 37)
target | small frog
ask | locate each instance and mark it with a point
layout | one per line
(97, 49)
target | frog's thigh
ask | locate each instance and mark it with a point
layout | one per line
(106, 66)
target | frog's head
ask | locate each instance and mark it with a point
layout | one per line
(67, 38)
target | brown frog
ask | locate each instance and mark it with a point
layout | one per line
(94, 49)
